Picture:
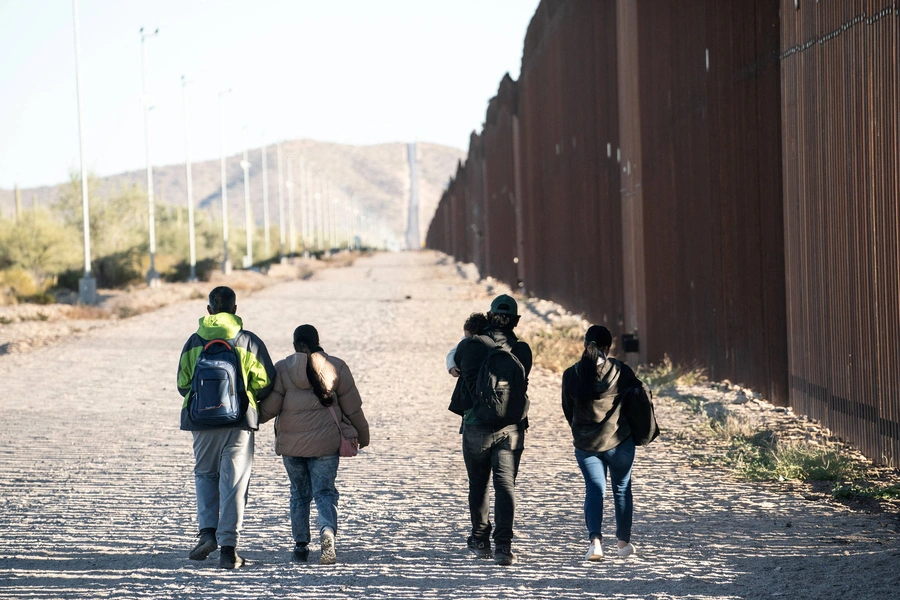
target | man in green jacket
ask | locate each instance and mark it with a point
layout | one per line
(223, 454)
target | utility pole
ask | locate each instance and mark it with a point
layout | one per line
(87, 285)
(190, 185)
(152, 275)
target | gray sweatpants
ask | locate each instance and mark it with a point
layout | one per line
(223, 459)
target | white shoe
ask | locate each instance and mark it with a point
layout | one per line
(628, 550)
(328, 556)
(595, 551)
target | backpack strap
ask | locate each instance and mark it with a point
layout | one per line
(211, 342)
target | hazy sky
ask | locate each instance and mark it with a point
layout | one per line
(349, 71)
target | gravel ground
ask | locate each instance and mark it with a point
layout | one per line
(98, 501)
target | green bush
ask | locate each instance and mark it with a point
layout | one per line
(763, 457)
(204, 270)
(119, 269)
(39, 245)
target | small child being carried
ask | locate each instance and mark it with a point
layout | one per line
(473, 326)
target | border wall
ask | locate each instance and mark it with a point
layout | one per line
(718, 180)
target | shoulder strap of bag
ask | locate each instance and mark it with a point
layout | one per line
(336, 421)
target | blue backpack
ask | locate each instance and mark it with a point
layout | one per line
(217, 386)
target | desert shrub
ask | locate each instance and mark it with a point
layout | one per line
(119, 269)
(854, 490)
(728, 426)
(559, 348)
(204, 270)
(666, 374)
(39, 245)
(40, 298)
(763, 457)
(18, 281)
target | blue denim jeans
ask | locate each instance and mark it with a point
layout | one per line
(594, 466)
(223, 459)
(312, 478)
(486, 451)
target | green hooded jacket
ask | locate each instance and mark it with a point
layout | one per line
(256, 367)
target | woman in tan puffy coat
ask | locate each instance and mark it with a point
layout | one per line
(309, 385)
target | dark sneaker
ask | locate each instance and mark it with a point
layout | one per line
(206, 545)
(229, 559)
(328, 554)
(503, 555)
(301, 553)
(481, 548)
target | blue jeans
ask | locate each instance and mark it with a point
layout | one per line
(486, 451)
(223, 459)
(594, 465)
(312, 477)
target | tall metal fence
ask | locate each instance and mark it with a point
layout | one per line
(841, 140)
(718, 180)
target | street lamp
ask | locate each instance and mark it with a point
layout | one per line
(245, 164)
(152, 275)
(304, 202)
(281, 228)
(190, 185)
(290, 189)
(226, 264)
(265, 176)
(87, 285)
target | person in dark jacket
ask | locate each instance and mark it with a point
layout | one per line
(223, 455)
(592, 393)
(491, 449)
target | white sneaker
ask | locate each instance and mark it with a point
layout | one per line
(328, 556)
(628, 550)
(595, 551)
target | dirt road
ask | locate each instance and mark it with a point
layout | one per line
(97, 500)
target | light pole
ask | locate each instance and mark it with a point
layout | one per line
(152, 275)
(304, 202)
(226, 264)
(306, 211)
(190, 184)
(265, 176)
(245, 164)
(290, 189)
(87, 285)
(281, 228)
(319, 223)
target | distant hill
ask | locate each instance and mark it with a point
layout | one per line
(377, 176)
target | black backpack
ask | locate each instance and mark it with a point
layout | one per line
(217, 386)
(641, 416)
(500, 391)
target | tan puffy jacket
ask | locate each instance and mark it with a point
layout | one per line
(303, 426)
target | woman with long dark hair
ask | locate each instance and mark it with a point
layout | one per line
(593, 390)
(317, 406)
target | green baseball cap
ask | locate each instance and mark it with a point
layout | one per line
(504, 305)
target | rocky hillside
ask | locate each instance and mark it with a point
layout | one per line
(377, 176)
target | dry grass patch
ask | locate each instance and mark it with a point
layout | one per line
(558, 348)
(666, 374)
(87, 312)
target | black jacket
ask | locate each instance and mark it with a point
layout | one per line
(471, 354)
(596, 417)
